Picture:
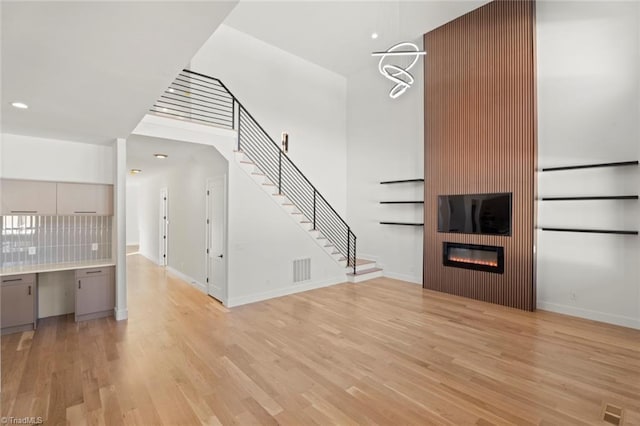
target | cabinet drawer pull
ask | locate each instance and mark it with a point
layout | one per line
(94, 272)
(84, 211)
(29, 290)
(79, 284)
(13, 280)
(24, 211)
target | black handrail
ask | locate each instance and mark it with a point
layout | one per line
(257, 145)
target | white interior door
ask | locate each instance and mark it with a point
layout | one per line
(216, 223)
(163, 243)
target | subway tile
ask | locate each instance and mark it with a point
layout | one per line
(57, 239)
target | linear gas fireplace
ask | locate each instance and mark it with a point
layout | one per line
(472, 256)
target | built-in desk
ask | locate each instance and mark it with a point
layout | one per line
(54, 267)
(94, 283)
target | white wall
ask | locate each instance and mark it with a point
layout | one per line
(25, 157)
(186, 185)
(386, 143)
(286, 93)
(133, 228)
(589, 112)
(148, 211)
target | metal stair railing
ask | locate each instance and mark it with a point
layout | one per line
(206, 100)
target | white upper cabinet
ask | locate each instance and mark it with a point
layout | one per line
(25, 197)
(85, 199)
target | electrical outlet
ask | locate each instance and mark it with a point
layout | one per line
(32, 251)
(572, 296)
(94, 247)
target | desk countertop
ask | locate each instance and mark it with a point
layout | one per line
(53, 267)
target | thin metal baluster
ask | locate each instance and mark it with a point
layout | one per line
(349, 246)
(239, 127)
(280, 173)
(233, 113)
(354, 254)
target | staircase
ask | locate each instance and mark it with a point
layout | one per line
(206, 100)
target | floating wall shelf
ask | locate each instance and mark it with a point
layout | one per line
(591, 231)
(595, 198)
(591, 166)
(401, 181)
(401, 202)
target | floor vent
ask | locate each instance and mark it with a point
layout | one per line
(301, 270)
(612, 414)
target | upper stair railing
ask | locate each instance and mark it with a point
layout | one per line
(206, 100)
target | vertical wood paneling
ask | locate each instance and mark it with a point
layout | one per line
(480, 138)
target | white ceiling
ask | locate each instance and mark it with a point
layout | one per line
(140, 150)
(337, 35)
(89, 71)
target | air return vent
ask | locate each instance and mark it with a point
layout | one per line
(301, 270)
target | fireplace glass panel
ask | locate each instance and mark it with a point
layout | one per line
(477, 257)
(471, 256)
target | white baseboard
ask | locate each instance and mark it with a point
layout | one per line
(187, 279)
(243, 300)
(120, 314)
(589, 314)
(403, 277)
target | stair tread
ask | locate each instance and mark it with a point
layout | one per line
(365, 271)
(364, 261)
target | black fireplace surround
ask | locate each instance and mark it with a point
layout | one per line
(473, 256)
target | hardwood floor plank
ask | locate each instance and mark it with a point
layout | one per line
(381, 352)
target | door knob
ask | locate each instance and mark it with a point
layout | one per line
(220, 256)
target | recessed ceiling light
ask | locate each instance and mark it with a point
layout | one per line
(20, 105)
(135, 171)
(171, 90)
(374, 35)
(160, 155)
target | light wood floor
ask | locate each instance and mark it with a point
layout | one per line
(382, 352)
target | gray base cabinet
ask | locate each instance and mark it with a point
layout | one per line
(18, 300)
(95, 293)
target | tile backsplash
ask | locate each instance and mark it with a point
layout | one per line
(34, 240)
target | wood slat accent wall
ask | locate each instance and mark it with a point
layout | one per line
(480, 137)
